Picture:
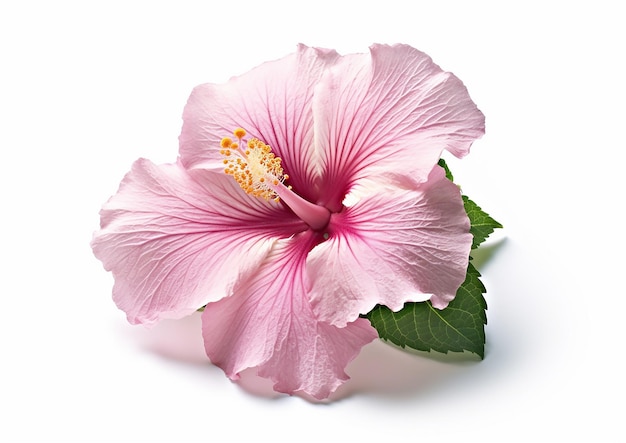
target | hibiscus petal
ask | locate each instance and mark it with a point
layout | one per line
(268, 323)
(174, 243)
(390, 110)
(391, 248)
(271, 102)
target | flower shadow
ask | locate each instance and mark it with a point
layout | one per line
(379, 370)
(174, 340)
(383, 370)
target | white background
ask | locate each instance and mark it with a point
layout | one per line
(87, 87)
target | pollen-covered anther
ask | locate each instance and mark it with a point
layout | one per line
(239, 133)
(255, 167)
(226, 142)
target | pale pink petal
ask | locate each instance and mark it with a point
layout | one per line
(271, 102)
(390, 110)
(174, 243)
(268, 323)
(390, 248)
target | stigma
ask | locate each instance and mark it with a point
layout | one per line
(253, 165)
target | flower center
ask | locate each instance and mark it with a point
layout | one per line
(260, 173)
(255, 167)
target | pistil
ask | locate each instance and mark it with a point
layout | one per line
(315, 216)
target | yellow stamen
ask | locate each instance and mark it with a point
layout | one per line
(257, 170)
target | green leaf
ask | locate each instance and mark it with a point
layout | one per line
(459, 327)
(481, 224)
(443, 164)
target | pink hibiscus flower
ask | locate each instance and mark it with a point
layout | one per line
(286, 264)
